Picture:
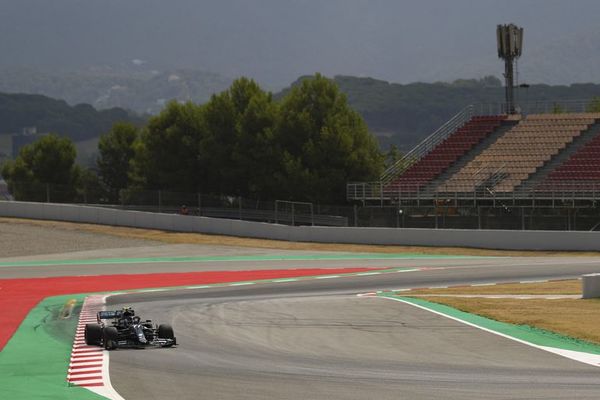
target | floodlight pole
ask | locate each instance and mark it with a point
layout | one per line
(509, 77)
(510, 46)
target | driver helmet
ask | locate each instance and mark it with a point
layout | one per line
(128, 312)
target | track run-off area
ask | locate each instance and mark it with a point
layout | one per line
(267, 323)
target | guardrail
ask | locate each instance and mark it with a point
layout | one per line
(539, 107)
(218, 206)
(292, 217)
(428, 144)
(495, 239)
(379, 191)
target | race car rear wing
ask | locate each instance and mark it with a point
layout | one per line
(108, 315)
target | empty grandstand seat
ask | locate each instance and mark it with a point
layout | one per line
(581, 172)
(445, 153)
(520, 152)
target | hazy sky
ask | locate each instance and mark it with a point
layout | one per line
(275, 41)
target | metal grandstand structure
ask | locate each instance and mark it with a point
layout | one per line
(554, 194)
(429, 143)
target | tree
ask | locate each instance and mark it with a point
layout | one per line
(90, 189)
(223, 147)
(48, 163)
(166, 154)
(243, 143)
(240, 144)
(558, 109)
(116, 152)
(594, 106)
(324, 143)
(392, 156)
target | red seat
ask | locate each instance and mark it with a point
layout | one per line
(446, 153)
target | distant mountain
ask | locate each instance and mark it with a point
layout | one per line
(399, 114)
(80, 122)
(404, 115)
(138, 89)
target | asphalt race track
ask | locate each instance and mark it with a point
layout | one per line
(317, 340)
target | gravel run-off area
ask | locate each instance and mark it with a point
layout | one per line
(23, 239)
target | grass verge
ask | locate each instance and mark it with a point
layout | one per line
(571, 286)
(575, 318)
(34, 363)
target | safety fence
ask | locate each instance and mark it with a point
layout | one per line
(170, 202)
(495, 239)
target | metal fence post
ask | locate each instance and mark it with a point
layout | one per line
(355, 216)
(159, 201)
(240, 207)
(199, 204)
(47, 193)
(293, 216)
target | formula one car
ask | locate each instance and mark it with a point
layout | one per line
(125, 329)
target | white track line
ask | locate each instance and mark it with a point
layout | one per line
(476, 285)
(88, 365)
(586, 358)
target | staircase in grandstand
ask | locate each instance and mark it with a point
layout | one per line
(477, 155)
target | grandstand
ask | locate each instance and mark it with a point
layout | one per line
(539, 161)
(519, 153)
(505, 166)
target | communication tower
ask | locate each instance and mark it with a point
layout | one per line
(510, 46)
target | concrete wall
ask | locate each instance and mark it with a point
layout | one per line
(513, 240)
(590, 286)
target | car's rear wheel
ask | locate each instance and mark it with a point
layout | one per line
(165, 331)
(111, 336)
(93, 334)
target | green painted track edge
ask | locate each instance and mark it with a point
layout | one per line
(273, 257)
(23, 374)
(526, 333)
(34, 362)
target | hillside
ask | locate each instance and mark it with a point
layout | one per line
(405, 114)
(80, 122)
(396, 113)
(136, 88)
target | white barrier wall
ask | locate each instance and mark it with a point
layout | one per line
(590, 286)
(491, 239)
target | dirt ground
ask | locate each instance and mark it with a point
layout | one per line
(571, 286)
(198, 238)
(576, 318)
(18, 239)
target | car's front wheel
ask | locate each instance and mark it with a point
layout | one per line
(165, 331)
(93, 334)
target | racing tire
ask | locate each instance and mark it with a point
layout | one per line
(165, 331)
(93, 334)
(111, 335)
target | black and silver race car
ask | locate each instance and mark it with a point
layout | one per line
(125, 329)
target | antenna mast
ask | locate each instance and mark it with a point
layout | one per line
(510, 46)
